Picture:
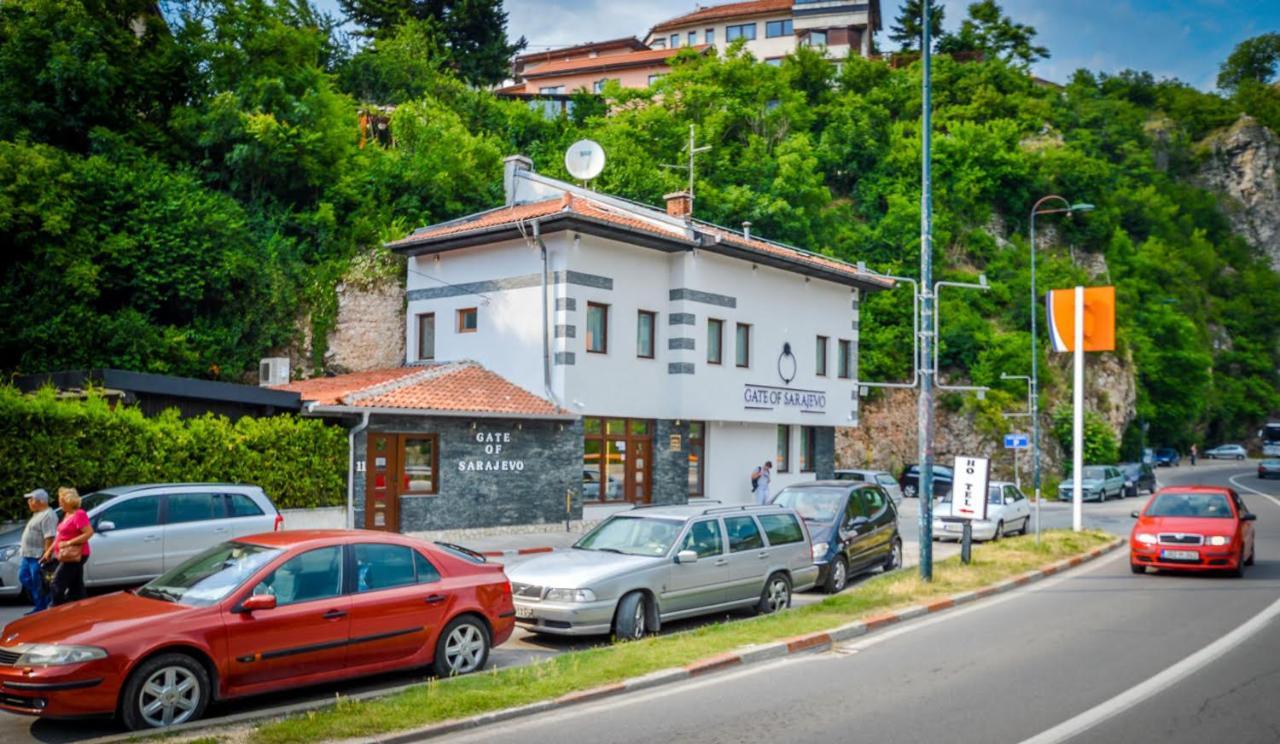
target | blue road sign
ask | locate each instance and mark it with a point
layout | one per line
(1016, 441)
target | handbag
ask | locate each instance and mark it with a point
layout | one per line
(70, 553)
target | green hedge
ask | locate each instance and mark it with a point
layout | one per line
(89, 444)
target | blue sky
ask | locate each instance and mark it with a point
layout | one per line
(1186, 39)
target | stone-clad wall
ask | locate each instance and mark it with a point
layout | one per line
(824, 453)
(670, 468)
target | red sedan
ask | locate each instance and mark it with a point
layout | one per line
(257, 614)
(1193, 528)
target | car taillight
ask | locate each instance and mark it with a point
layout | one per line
(279, 522)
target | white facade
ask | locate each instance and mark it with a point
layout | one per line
(842, 27)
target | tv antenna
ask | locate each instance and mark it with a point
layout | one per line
(693, 151)
(584, 160)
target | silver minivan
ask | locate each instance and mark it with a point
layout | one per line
(649, 565)
(142, 531)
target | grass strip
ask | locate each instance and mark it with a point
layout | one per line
(496, 689)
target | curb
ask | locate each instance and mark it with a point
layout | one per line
(514, 552)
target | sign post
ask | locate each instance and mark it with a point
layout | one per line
(1016, 441)
(969, 497)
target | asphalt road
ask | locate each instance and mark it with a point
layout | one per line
(1008, 669)
(524, 647)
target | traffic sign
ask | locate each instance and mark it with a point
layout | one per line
(969, 489)
(1016, 441)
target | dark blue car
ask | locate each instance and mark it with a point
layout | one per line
(1167, 457)
(854, 528)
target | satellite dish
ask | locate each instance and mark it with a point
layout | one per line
(584, 159)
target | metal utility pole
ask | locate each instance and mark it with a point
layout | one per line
(925, 404)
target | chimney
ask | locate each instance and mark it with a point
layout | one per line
(680, 204)
(510, 167)
(746, 229)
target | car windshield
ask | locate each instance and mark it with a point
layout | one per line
(630, 535)
(1205, 505)
(209, 577)
(1095, 473)
(813, 504)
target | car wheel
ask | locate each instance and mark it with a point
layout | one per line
(631, 622)
(166, 690)
(776, 595)
(894, 561)
(909, 492)
(1238, 571)
(838, 578)
(999, 533)
(1239, 457)
(463, 647)
(1135, 568)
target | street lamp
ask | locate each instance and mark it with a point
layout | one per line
(1069, 209)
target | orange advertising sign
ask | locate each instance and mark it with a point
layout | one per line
(1099, 318)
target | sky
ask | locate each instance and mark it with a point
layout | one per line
(1186, 39)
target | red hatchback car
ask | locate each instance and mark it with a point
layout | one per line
(1193, 528)
(253, 615)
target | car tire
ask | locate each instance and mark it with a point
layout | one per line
(1135, 568)
(178, 678)
(1238, 571)
(463, 647)
(776, 594)
(838, 577)
(631, 621)
(909, 492)
(1249, 561)
(894, 561)
(999, 533)
(1239, 457)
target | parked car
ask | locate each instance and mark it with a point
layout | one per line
(910, 480)
(257, 614)
(1100, 482)
(1268, 468)
(1271, 449)
(879, 477)
(1195, 528)
(1166, 457)
(142, 531)
(1227, 452)
(1008, 512)
(1139, 476)
(854, 528)
(649, 565)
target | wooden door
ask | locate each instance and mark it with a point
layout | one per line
(639, 489)
(381, 484)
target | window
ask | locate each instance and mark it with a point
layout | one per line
(193, 507)
(615, 459)
(709, 37)
(697, 445)
(743, 31)
(597, 328)
(773, 29)
(744, 345)
(1012, 495)
(143, 511)
(383, 566)
(704, 539)
(693, 38)
(820, 363)
(783, 460)
(816, 38)
(659, 43)
(655, 77)
(427, 336)
(675, 40)
(427, 573)
(467, 320)
(715, 341)
(743, 534)
(418, 461)
(240, 505)
(875, 500)
(598, 86)
(808, 447)
(646, 327)
(552, 90)
(844, 359)
(316, 574)
(781, 528)
(773, 62)
(855, 508)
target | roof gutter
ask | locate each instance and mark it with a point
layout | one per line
(341, 410)
(351, 465)
(546, 318)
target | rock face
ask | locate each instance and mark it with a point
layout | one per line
(1243, 164)
(369, 331)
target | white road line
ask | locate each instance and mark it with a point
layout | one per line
(1238, 484)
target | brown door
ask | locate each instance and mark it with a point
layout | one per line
(638, 486)
(381, 486)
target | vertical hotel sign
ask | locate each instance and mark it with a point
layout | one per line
(969, 489)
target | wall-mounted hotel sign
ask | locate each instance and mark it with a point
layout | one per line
(769, 398)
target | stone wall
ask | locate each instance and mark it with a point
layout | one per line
(369, 330)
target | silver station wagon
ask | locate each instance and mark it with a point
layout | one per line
(649, 565)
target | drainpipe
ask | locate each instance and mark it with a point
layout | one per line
(351, 468)
(546, 319)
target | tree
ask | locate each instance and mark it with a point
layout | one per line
(1254, 59)
(989, 30)
(906, 28)
(474, 31)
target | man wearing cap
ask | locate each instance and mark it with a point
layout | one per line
(36, 539)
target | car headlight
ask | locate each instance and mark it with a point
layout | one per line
(570, 595)
(1217, 540)
(8, 552)
(820, 550)
(55, 654)
(1145, 538)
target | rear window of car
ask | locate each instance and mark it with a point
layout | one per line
(243, 506)
(461, 552)
(781, 529)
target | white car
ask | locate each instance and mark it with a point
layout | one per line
(1227, 452)
(878, 477)
(1008, 512)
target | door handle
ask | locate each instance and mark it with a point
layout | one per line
(762, 554)
(151, 538)
(334, 615)
(435, 599)
(721, 562)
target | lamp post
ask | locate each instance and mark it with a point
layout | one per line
(1067, 208)
(924, 404)
(1027, 412)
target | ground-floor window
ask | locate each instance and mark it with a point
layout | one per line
(697, 459)
(420, 455)
(808, 449)
(782, 462)
(616, 460)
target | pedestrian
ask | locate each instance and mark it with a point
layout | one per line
(1194, 452)
(36, 539)
(70, 549)
(762, 483)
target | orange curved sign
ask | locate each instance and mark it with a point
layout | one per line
(1099, 318)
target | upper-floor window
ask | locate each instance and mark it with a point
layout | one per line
(844, 358)
(742, 31)
(773, 62)
(598, 86)
(820, 361)
(467, 320)
(693, 38)
(816, 38)
(659, 43)
(646, 329)
(426, 336)
(715, 341)
(773, 29)
(655, 77)
(744, 345)
(552, 89)
(709, 37)
(675, 40)
(597, 328)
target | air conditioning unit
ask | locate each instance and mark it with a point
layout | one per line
(273, 371)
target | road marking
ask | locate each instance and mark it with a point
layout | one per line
(1238, 484)
(1154, 685)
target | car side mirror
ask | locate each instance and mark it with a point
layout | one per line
(105, 525)
(687, 556)
(1250, 517)
(258, 602)
(1133, 514)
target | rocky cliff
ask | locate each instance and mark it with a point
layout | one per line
(1242, 163)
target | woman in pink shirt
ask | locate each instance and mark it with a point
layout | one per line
(70, 548)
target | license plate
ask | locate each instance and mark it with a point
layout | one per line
(524, 613)
(1180, 555)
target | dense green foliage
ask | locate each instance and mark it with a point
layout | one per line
(1100, 447)
(46, 443)
(175, 192)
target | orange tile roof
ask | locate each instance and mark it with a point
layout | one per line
(550, 54)
(480, 220)
(720, 12)
(657, 57)
(461, 387)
